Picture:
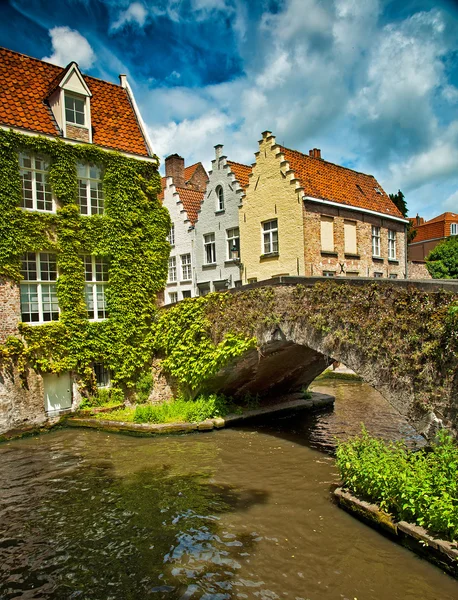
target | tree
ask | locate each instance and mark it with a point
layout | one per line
(400, 202)
(442, 261)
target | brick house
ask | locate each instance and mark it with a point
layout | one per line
(46, 113)
(217, 238)
(182, 194)
(302, 215)
(431, 233)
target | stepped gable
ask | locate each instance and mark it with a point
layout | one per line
(241, 172)
(27, 84)
(327, 181)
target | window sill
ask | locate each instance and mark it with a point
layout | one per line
(393, 261)
(232, 261)
(352, 256)
(186, 281)
(169, 283)
(329, 253)
(378, 259)
(209, 266)
(39, 210)
(269, 255)
(220, 212)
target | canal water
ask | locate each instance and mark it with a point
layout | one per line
(238, 513)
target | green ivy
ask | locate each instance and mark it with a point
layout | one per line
(131, 234)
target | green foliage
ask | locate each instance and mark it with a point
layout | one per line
(419, 487)
(442, 261)
(103, 397)
(143, 387)
(189, 411)
(400, 202)
(306, 394)
(131, 234)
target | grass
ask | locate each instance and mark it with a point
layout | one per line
(328, 374)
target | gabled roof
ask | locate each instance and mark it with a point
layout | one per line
(26, 84)
(189, 171)
(241, 172)
(435, 228)
(191, 199)
(327, 181)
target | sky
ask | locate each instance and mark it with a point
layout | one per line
(373, 83)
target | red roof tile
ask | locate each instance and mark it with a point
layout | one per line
(191, 200)
(241, 172)
(435, 228)
(327, 181)
(189, 171)
(26, 83)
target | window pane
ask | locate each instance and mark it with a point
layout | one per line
(89, 297)
(49, 303)
(48, 267)
(29, 303)
(29, 267)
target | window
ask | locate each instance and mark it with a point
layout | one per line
(38, 294)
(252, 280)
(172, 268)
(90, 190)
(210, 249)
(186, 294)
(172, 235)
(350, 237)
(36, 191)
(102, 375)
(454, 229)
(173, 297)
(352, 273)
(377, 274)
(186, 272)
(233, 243)
(219, 198)
(96, 275)
(270, 236)
(393, 276)
(375, 241)
(327, 234)
(391, 244)
(74, 110)
(329, 273)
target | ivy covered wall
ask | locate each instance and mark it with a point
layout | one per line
(131, 234)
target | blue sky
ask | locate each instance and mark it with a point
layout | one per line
(373, 83)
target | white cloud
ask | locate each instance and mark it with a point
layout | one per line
(451, 204)
(69, 45)
(135, 13)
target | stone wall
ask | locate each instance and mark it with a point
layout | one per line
(77, 133)
(10, 309)
(21, 402)
(417, 270)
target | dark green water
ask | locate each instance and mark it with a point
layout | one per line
(241, 513)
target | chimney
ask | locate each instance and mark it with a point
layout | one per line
(218, 151)
(418, 219)
(123, 81)
(315, 153)
(174, 167)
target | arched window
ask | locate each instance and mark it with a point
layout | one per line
(220, 198)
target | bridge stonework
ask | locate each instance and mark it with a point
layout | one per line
(401, 337)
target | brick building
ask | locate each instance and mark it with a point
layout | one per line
(431, 233)
(302, 215)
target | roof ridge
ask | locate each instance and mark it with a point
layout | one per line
(31, 57)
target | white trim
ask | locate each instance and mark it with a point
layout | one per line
(77, 143)
(355, 208)
(74, 69)
(126, 86)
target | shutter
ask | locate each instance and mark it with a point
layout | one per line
(350, 237)
(327, 234)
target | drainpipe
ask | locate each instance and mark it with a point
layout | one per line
(405, 254)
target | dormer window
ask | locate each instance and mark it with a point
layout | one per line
(74, 110)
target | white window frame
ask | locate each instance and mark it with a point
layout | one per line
(219, 198)
(95, 287)
(378, 274)
(171, 236)
(391, 244)
(102, 375)
(269, 237)
(233, 239)
(188, 294)
(376, 241)
(75, 97)
(172, 277)
(453, 228)
(86, 180)
(173, 297)
(186, 267)
(209, 249)
(43, 287)
(329, 273)
(37, 187)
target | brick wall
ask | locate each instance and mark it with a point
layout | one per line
(198, 180)
(417, 270)
(10, 309)
(362, 264)
(77, 133)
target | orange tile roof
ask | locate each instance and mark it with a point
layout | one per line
(191, 200)
(189, 171)
(327, 181)
(26, 84)
(435, 228)
(241, 172)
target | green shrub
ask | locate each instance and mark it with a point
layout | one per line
(143, 387)
(103, 397)
(191, 411)
(419, 487)
(306, 395)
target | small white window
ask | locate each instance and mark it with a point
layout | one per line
(102, 375)
(96, 275)
(90, 190)
(186, 294)
(173, 297)
(391, 244)
(36, 190)
(233, 243)
(210, 249)
(377, 274)
(219, 198)
(454, 229)
(186, 270)
(172, 269)
(38, 293)
(375, 241)
(393, 276)
(329, 273)
(270, 237)
(172, 235)
(74, 110)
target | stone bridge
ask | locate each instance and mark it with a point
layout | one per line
(400, 336)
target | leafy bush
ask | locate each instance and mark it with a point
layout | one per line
(191, 411)
(103, 397)
(419, 487)
(143, 387)
(306, 394)
(442, 261)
